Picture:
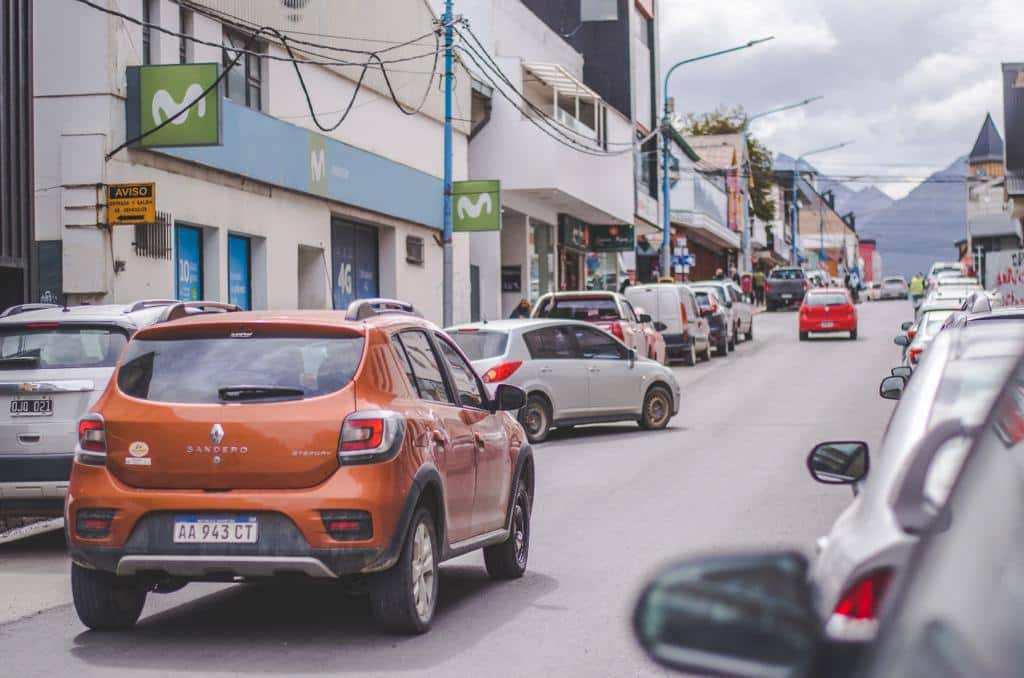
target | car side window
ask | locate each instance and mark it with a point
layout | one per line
(596, 345)
(630, 315)
(550, 343)
(427, 375)
(691, 309)
(466, 385)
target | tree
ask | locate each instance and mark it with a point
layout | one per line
(722, 121)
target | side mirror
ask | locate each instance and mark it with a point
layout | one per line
(902, 371)
(907, 325)
(508, 398)
(644, 317)
(891, 388)
(631, 356)
(660, 326)
(746, 615)
(839, 462)
(901, 340)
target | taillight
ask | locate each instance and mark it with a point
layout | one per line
(94, 523)
(912, 332)
(370, 436)
(915, 354)
(501, 372)
(682, 310)
(92, 440)
(863, 600)
(616, 329)
(348, 525)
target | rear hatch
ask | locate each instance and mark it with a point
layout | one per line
(222, 407)
(50, 374)
(786, 282)
(484, 347)
(826, 306)
(661, 303)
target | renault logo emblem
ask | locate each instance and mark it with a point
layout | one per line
(216, 434)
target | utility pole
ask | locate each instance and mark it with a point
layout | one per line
(449, 264)
(795, 230)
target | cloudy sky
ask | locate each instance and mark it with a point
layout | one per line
(909, 81)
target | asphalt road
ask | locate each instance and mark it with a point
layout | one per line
(613, 503)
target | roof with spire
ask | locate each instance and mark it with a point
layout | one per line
(989, 145)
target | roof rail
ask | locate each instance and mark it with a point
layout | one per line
(149, 303)
(182, 309)
(361, 309)
(23, 308)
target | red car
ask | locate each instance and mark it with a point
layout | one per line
(828, 309)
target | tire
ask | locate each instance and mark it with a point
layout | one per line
(853, 335)
(803, 336)
(750, 331)
(104, 601)
(657, 409)
(732, 342)
(536, 418)
(707, 352)
(723, 349)
(404, 598)
(507, 560)
(691, 358)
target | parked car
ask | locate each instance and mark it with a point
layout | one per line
(817, 278)
(931, 315)
(712, 307)
(739, 310)
(893, 287)
(828, 310)
(610, 311)
(265, 445)
(955, 294)
(952, 610)
(979, 301)
(873, 289)
(54, 363)
(866, 546)
(939, 268)
(572, 372)
(656, 348)
(686, 332)
(1002, 315)
(784, 286)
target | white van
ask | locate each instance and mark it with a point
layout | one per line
(686, 332)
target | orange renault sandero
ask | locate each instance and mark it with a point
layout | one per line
(243, 446)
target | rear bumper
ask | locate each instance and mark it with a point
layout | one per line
(677, 346)
(778, 298)
(837, 326)
(34, 484)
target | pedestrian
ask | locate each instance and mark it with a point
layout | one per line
(624, 284)
(522, 310)
(759, 288)
(734, 274)
(719, 274)
(747, 284)
(917, 288)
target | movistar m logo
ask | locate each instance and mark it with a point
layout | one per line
(317, 164)
(164, 105)
(474, 208)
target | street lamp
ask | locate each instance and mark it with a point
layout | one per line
(746, 159)
(796, 201)
(666, 226)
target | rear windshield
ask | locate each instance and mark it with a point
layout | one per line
(214, 370)
(43, 346)
(827, 299)
(574, 308)
(894, 281)
(787, 274)
(478, 345)
(703, 298)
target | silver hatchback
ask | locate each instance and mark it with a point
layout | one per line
(572, 372)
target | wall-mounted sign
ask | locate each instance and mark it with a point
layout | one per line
(157, 93)
(476, 205)
(131, 204)
(188, 271)
(511, 278)
(571, 232)
(610, 238)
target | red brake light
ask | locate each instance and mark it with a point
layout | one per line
(92, 440)
(682, 309)
(616, 329)
(363, 434)
(40, 326)
(915, 355)
(864, 599)
(369, 436)
(912, 332)
(501, 372)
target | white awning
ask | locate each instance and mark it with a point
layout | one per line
(558, 77)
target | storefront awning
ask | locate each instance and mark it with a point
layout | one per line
(706, 229)
(556, 76)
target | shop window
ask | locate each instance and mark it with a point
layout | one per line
(244, 83)
(240, 271)
(188, 269)
(414, 250)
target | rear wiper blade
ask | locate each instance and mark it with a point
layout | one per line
(19, 360)
(256, 392)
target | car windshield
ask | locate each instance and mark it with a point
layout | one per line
(786, 274)
(479, 345)
(201, 370)
(579, 308)
(829, 299)
(53, 346)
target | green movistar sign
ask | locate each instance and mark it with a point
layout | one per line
(158, 93)
(476, 205)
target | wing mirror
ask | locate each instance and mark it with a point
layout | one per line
(660, 326)
(839, 462)
(901, 340)
(892, 387)
(631, 356)
(907, 325)
(902, 371)
(508, 398)
(746, 615)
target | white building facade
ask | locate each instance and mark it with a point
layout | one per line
(279, 214)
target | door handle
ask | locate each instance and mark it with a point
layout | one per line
(593, 369)
(479, 440)
(29, 438)
(545, 370)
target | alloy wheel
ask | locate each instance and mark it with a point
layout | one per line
(534, 418)
(423, 572)
(657, 409)
(520, 534)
